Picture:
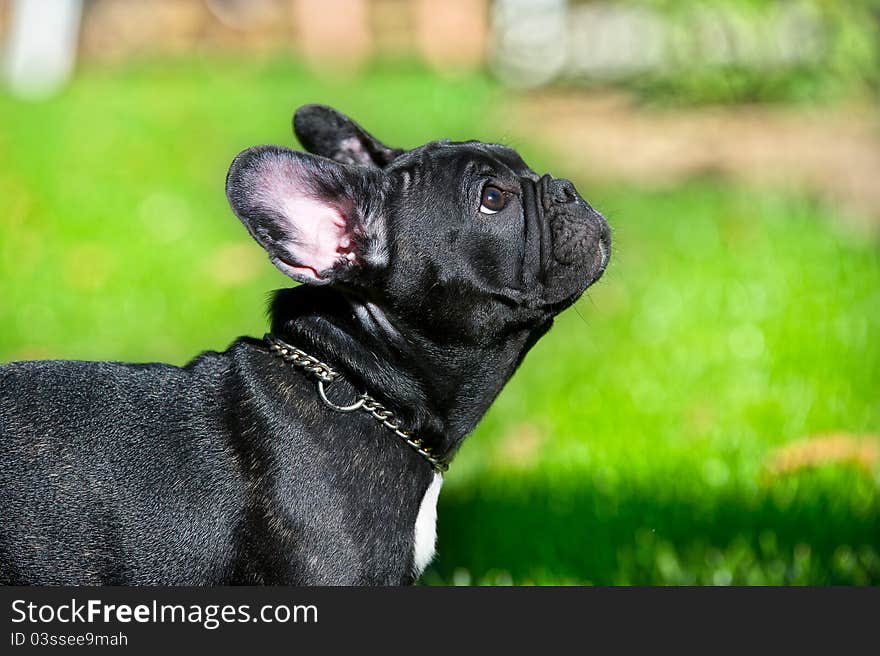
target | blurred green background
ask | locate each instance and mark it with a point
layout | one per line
(708, 413)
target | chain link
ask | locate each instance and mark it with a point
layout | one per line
(325, 375)
(302, 360)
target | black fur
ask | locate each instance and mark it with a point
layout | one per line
(230, 470)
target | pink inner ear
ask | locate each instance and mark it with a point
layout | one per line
(318, 234)
(321, 235)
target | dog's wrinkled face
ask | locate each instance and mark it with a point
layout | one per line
(458, 239)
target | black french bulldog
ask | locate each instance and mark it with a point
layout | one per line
(312, 456)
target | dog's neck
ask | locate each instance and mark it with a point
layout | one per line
(440, 393)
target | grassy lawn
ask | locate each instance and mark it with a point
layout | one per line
(656, 435)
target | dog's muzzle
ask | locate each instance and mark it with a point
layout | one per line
(576, 227)
(568, 243)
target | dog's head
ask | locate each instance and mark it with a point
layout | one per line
(460, 240)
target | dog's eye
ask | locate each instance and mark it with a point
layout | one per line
(493, 200)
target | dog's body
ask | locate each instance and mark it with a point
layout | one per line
(229, 470)
(232, 470)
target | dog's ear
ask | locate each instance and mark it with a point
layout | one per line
(324, 131)
(319, 220)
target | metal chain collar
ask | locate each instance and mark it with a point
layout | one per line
(326, 375)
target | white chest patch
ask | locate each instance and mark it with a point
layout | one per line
(426, 527)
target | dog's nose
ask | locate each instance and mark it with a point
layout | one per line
(558, 191)
(562, 191)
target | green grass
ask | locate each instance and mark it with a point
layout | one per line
(634, 444)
